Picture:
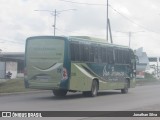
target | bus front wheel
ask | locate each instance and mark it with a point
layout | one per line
(125, 89)
(59, 93)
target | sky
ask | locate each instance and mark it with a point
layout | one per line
(20, 19)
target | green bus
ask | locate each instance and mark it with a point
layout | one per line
(78, 64)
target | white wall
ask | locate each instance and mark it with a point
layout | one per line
(2, 70)
(12, 67)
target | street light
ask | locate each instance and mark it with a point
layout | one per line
(130, 34)
(55, 15)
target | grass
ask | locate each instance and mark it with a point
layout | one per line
(13, 85)
(149, 79)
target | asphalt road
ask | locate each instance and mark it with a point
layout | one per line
(139, 98)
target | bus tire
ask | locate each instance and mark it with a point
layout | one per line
(125, 89)
(59, 93)
(86, 93)
(94, 90)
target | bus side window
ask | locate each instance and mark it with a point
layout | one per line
(96, 53)
(127, 57)
(86, 52)
(121, 56)
(99, 54)
(81, 52)
(104, 58)
(76, 51)
(72, 51)
(91, 53)
(124, 57)
(74, 48)
(116, 55)
(110, 57)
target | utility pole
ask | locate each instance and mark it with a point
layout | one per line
(129, 39)
(130, 35)
(110, 31)
(107, 24)
(55, 15)
(157, 68)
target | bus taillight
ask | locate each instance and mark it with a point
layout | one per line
(64, 74)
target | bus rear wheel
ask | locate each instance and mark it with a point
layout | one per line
(59, 93)
(125, 89)
(94, 90)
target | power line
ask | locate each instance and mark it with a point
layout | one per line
(132, 20)
(127, 18)
(83, 3)
(5, 40)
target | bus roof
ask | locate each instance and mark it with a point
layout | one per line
(95, 40)
(84, 39)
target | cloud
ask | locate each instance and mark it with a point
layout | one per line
(19, 20)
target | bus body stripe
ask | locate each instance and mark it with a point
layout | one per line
(55, 66)
(87, 74)
(84, 71)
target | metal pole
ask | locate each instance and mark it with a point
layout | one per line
(107, 23)
(129, 39)
(157, 68)
(55, 14)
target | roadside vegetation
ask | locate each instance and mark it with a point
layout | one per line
(149, 79)
(13, 85)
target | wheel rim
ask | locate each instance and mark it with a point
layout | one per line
(94, 89)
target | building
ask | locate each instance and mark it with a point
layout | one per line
(142, 63)
(11, 62)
